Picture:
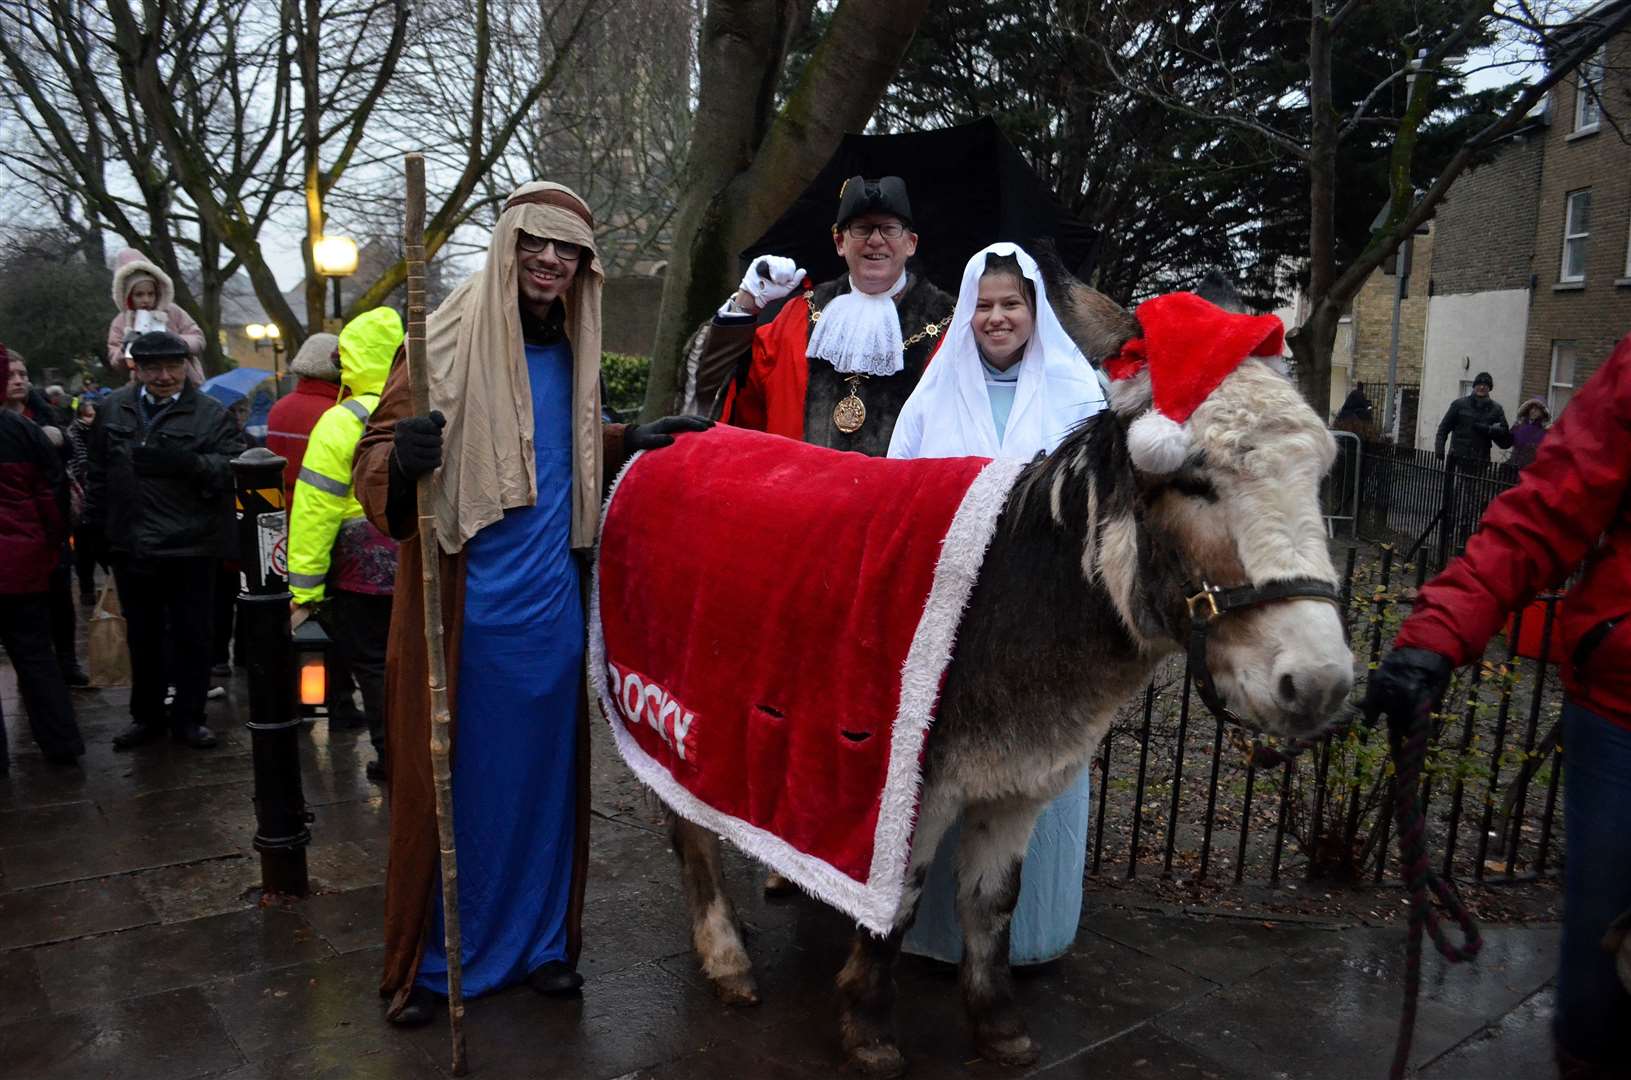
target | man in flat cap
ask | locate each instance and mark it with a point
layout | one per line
(830, 364)
(161, 494)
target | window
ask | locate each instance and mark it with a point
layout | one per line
(1576, 227)
(1588, 107)
(1562, 382)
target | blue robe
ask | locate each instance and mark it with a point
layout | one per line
(520, 671)
(1050, 887)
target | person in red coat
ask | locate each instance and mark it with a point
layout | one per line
(1571, 511)
(289, 424)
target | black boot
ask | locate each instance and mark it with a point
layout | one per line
(137, 734)
(555, 979)
(196, 736)
(417, 1011)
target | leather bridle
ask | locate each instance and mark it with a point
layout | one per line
(1212, 602)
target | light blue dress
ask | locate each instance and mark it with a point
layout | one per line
(520, 666)
(1050, 890)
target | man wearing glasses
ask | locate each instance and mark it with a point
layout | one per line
(831, 364)
(516, 450)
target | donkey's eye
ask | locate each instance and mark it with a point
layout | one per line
(1196, 487)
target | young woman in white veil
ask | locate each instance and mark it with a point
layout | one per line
(1007, 382)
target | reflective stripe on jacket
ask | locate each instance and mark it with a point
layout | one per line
(323, 506)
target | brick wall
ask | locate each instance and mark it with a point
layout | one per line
(1597, 313)
(1373, 320)
(1484, 230)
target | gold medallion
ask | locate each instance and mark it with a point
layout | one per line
(850, 413)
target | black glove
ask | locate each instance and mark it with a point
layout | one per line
(1406, 680)
(164, 461)
(661, 432)
(417, 444)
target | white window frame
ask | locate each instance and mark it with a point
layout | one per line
(1553, 385)
(1588, 104)
(1571, 234)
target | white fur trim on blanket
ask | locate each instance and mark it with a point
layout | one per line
(875, 902)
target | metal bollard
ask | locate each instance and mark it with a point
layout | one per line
(281, 819)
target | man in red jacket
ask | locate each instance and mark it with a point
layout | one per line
(33, 525)
(289, 424)
(1570, 510)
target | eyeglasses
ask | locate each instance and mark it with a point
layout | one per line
(534, 245)
(889, 230)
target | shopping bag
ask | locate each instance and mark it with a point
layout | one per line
(110, 654)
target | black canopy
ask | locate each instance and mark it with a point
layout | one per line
(968, 185)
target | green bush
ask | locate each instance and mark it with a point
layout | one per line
(625, 378)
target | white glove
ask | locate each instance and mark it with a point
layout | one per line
(771, 277)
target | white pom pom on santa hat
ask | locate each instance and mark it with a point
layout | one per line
(1158, 444)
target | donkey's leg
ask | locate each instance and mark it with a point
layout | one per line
(866, 985)
(714, 931)
(990, 854)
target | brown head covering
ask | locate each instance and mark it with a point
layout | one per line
(478, 377)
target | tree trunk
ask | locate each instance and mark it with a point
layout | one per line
(746, 164)
(1311, 343)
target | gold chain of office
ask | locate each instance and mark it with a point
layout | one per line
(850, 413)
(930, 330)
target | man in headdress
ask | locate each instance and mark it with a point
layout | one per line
(517, 446)
(830, 364)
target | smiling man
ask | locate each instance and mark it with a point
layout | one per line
(831, 364)
(515, 446)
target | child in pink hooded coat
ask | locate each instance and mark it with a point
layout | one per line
(138, 285)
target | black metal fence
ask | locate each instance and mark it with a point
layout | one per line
(1186, 796)
(1422, 503)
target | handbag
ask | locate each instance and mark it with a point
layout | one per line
(109, 651)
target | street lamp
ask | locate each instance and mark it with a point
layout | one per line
(335, 257)
(268, 336)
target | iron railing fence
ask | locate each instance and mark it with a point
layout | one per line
(1186, 796)
(1420, 502)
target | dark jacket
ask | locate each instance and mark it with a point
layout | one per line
(33, 506)
(163, 516)
(1571, 511)
(1471, 423)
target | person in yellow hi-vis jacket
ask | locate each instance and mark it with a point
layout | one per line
(339, 564)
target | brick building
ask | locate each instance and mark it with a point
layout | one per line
(1531, 278)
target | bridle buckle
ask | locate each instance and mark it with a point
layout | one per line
(1203, 606)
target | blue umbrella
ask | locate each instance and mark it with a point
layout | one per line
(231, 387)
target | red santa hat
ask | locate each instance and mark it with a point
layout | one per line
(1190, 345)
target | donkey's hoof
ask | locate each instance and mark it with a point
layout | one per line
(878, 1061)
(1012, 1050)
(737, 989)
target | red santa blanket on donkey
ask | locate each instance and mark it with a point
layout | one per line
(769, 629)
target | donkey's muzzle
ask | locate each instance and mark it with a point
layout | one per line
(1310, 694)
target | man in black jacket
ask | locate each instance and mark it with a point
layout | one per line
(161, 494)
(33, 523)
(1472, 423)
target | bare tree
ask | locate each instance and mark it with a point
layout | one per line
(748, 159)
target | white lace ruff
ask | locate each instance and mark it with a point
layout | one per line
(859, 333)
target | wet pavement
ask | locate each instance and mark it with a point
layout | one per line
(132, 945)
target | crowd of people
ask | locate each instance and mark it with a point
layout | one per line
(877, 360)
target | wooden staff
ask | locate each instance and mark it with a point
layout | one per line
(413, 237)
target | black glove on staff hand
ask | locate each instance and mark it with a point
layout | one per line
(163, 461)
(660, 433)
(417, 444)
(1406, 680)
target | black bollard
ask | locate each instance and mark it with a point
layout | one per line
(281, 820)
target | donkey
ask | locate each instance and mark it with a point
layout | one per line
(1096, 572)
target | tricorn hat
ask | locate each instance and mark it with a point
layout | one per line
(157, 345)
(1189, 346)
(885, 195)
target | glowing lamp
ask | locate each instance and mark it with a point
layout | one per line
(313, 681)
(335, 256)
(255, 331)
(311, 647)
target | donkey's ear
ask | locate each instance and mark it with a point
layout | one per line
(1217, 289)
(1098, 325)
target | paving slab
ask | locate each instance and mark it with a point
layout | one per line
(78, 974)
(55, 822)
(21, 992)
(1141, 1054)
(348, 920)
(1519, 1045)
(1332, 1010)
(273, 1012)
(114, 851)
(1223, 951)
(196, 890)
(165, 1036)
(358, 1057)
(78, 909)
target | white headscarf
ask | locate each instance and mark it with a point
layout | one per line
(949, 414)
